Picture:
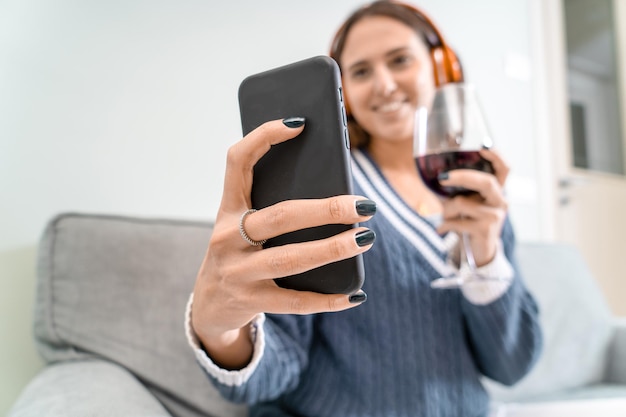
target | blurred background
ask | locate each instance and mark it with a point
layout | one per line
(128, 107)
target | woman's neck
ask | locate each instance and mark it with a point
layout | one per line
(393, 155)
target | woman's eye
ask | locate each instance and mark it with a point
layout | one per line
(401, 60)
(360, 73)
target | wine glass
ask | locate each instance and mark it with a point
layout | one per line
(449, 135)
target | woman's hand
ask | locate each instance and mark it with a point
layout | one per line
(481, 216)
(236, 280)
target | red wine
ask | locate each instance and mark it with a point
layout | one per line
(430, 166)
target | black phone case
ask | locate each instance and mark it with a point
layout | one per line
(316, 164)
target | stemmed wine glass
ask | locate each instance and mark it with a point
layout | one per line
(449, 135)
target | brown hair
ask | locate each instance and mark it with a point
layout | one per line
(413, 18)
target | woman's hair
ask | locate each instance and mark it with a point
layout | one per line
(403, 13)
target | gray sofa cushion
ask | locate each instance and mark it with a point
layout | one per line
(616, 368)
(576, 323)
(86, 388)
(116, 288)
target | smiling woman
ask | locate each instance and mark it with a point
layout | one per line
(129, 107)
(279, 351)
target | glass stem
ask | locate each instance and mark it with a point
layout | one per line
(469, 254)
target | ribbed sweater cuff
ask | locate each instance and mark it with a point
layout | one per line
(224, 376)
(500, 274)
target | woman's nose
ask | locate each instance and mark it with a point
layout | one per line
(384, 82)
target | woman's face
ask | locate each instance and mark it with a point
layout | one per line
(387, 74)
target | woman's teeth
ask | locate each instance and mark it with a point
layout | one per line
(389, 107)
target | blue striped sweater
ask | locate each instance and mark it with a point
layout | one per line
(409, 350)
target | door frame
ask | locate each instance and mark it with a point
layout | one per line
(551, 125)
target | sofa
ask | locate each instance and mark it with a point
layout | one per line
(112, 290)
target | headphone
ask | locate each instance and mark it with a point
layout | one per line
(446, 64)
(447, 67)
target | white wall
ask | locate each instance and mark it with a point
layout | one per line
(128, 107)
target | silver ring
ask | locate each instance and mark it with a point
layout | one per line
(243, 233)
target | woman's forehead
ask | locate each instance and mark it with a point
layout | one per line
(374, 36)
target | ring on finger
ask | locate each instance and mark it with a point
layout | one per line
(244, 234)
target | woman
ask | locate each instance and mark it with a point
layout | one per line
(409, 350)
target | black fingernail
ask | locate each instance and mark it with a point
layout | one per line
(443, 176)
(486, 147)
(365, 207)
(358, 297)
(365, 238)
(294, 122)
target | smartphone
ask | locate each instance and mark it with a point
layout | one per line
(316, 164)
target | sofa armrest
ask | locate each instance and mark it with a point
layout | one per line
(86, 388)
(616, 365)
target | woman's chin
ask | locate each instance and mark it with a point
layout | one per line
(396, 132)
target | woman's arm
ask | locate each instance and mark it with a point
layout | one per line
(505, 335)
(235, 282)
(501, 316)
(281, 346)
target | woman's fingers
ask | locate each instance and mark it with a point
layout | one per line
(481, 222)
(285, 301)
(487, 185)
(466, 215)
(480, 216)
(499, 166)
(289, 216)
(243, 155)
(291, 259)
